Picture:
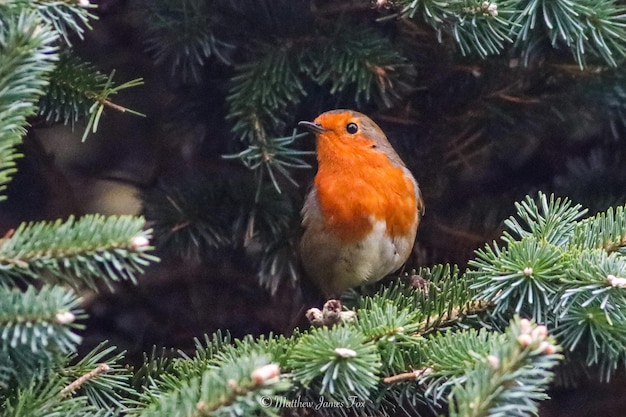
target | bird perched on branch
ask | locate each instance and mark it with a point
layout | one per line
(361, 215)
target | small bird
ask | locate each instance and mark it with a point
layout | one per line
(361, 214)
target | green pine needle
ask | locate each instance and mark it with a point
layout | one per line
(231, 387)
(606, 230)
(337, 362)
(66, 18)
(27, 56)
(39, 320)
(77, 251)
(551, 219)
(511, 379)
(525, 276)
(180, 34)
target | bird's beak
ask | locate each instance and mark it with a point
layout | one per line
(313, 127)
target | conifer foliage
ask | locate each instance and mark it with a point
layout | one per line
(480, 340)
(44, 265)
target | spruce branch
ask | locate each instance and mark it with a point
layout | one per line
(595, 28)
(190, 215)
(353, 59)
(338, 362)
(27, 56)
(66, 17)
(526, 274)
(41, 398)
(503, 374)
(552, 220)
(478, 27)
(261, 91)
(595, 275)
(181, 34)
(233, 387)
(79, 382)
(77, 251)
(260, 94)
(39, 320)
(606, 230)
(563, 271)
(595, 332)
(363, 62)
(101, 101)
(197, 216)
(99, 377)
(272, 155)
(440, 295)
(78, 90)
(585, 179)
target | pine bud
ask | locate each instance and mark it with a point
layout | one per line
(524, 339)
(265, 373)
(490, 8)
(493, 361)
(525, 326)
(345, 352)
(549, 348)
(539, 332)
(616, 281)
(64, 317)
(139, 242)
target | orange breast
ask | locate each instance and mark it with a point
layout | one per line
(357, 186)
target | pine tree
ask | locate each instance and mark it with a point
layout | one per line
(475, 81)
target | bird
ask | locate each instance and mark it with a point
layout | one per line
(361, 215)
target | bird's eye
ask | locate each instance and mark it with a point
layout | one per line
(352, 128)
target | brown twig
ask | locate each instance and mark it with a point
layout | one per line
(80, 381)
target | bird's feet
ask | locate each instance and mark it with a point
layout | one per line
(329, 315)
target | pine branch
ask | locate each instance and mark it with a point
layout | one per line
(594, 28)
(35, 326)
(27, 57)
(78, 90)
(272, 155)
(180, 34)
(565, 272)
(441, 296)
(236, 386)
(337, 362)
(100, 378)
(588, 28)
(606, 230)
(41, 398)
(361, 61)
(478, 27)
(77, 251)
(511, 379)
(101, 101)
(261, 91)
(66, 17)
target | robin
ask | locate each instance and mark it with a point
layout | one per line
(362, 213)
